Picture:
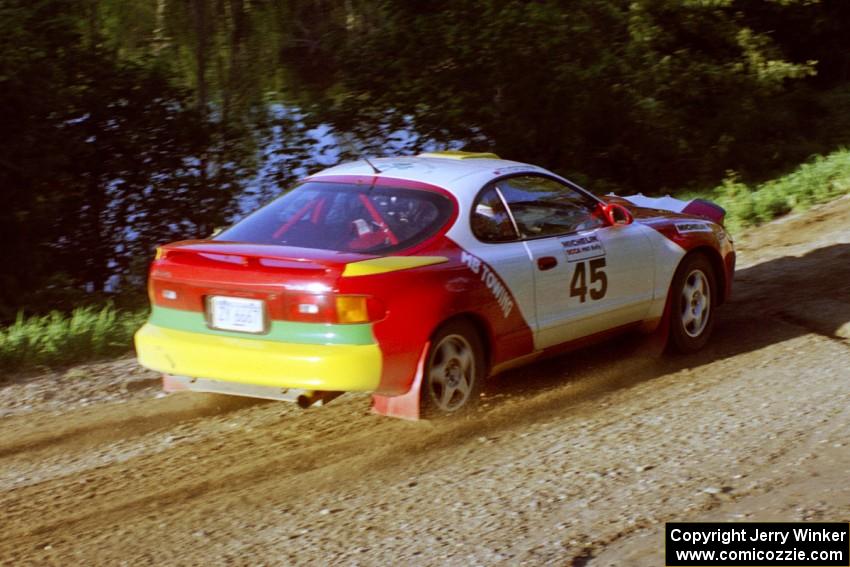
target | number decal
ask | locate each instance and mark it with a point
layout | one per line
(578, 285)
(597, 275)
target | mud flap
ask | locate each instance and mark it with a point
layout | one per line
(405, 406)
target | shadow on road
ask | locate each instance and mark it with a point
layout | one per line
(772, 302)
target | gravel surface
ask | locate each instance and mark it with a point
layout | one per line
(577, 460)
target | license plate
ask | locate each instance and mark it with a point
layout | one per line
(237, 314)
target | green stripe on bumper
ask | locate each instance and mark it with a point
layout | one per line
(281, 331)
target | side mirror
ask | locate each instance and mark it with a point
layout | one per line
(617, 214)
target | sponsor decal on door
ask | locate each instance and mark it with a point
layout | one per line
(585, 247)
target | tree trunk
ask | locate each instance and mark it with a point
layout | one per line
(201, 32)
(201, 48)
(160, 39)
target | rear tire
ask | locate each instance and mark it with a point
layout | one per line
(692, 301)
(453, 372)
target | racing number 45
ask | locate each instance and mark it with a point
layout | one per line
(578, 285)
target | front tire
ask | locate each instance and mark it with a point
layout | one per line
(454, 370)
(692, 302)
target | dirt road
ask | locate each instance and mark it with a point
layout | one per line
(572, 461)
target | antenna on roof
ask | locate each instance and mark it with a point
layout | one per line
(372, 165)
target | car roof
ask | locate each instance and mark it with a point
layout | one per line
(458, 172)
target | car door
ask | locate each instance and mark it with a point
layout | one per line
(589, 276)
(500, 247)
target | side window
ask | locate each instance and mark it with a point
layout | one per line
(545, 207)
(490, 221)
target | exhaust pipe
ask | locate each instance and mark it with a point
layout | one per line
(304, 398)
(317, 397)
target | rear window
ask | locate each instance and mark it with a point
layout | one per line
(346, 218)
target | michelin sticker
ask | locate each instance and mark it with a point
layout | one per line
(583, 248)
(686, 227)
(491, 281)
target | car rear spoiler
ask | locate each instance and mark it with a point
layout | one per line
(695, 207)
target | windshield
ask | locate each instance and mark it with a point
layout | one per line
(345, 217)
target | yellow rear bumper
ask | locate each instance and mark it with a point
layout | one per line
(343, 368)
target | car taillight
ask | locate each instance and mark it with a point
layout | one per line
(324, 308)
(309, 308)
(159, 254)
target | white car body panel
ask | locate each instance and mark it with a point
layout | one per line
(639, 261)
(563, 317)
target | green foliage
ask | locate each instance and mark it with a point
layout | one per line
(108, 148)
(128, 124)
(817, 181)
(644, 95)
(57, 339)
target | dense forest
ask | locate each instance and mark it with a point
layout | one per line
(130, 123)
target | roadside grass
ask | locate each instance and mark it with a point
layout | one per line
(60, 339)
(819, 180)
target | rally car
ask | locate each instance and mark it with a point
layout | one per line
(416, 278)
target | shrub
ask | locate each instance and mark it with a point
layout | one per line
(59, 339)
(817, 181)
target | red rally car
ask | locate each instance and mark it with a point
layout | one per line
(415, 278)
